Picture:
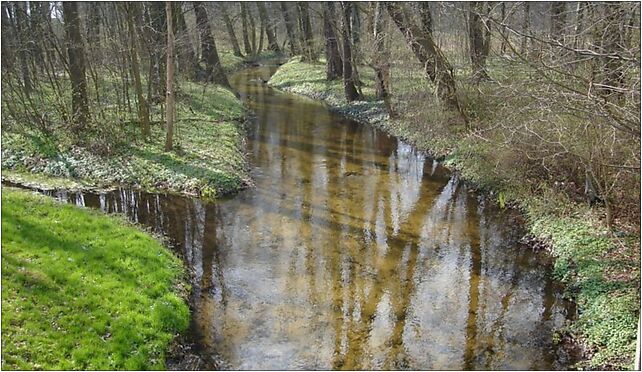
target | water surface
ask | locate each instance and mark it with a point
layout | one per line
(353, 251)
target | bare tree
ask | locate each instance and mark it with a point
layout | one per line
(381, 63)
(349, 81)
(273, 44)
(289, 27)
(478, 40)
(213, 69)
(76, 53)
(526, 26)
(230, 29)
(436, 66)
(334, 64)
(309, 54)
(245, 29)
(132, 10)
(169, 98)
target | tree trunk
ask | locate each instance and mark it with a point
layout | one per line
(436, 65)
(253, 30)
(334, 64)
(479, 41)
(381, 59)
(259, 49)
(526, 26)
(426, 16)
(246, 38)
(558, 20)
(579, 24)
(187, 59)
(169, 98)
(7, 50)
(213, 69)
(502, 48)
(610, 72)
(230, 29)
(143, 108)
(309, 54)
(76, 53)
(22, 25)
(93, 32)
(289, 28)
(349, 83)
(36, 31)
(157, 13)
(273, 44)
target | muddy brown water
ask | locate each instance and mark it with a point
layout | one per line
(353, 251)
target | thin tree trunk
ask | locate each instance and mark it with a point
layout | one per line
(76, 53)
(306, 30)
(230, 29)
(143, 108)
(157, 13)
(7, 47)
(579, 24)
(187, 59)
(611, 73)
(246, 38)
(502, 48)
(334, 64)
(436, 66)
(426, 16)
(349, 83)
(169, 98)
(20, 12)
(479, 41)
(526, 26)
(289, 28)
(213, 69)
(261, 34)
(93, 32)
(382, 57)
(253, 30)
(558, 20)
(273, 44)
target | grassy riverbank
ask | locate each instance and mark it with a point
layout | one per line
(208, 160)
(599, 266)
(82, 290)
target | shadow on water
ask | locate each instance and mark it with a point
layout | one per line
(353, 251)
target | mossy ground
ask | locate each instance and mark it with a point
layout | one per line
(601, 268)
(82, 290)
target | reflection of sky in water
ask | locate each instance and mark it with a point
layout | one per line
(353, 251)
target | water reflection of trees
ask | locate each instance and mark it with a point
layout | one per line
(385, 268)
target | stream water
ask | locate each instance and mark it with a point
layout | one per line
(353, 251)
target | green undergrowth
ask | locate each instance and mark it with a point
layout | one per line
(208, 159)
(82, 290)
(600, 268)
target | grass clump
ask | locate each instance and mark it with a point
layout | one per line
(82, 290)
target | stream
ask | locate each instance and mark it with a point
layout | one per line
(352, 251)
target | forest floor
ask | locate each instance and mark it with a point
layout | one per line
(599, 267)
(82, 290)
(208, 158)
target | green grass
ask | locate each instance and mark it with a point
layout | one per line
(82, 290)
(601, 269)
